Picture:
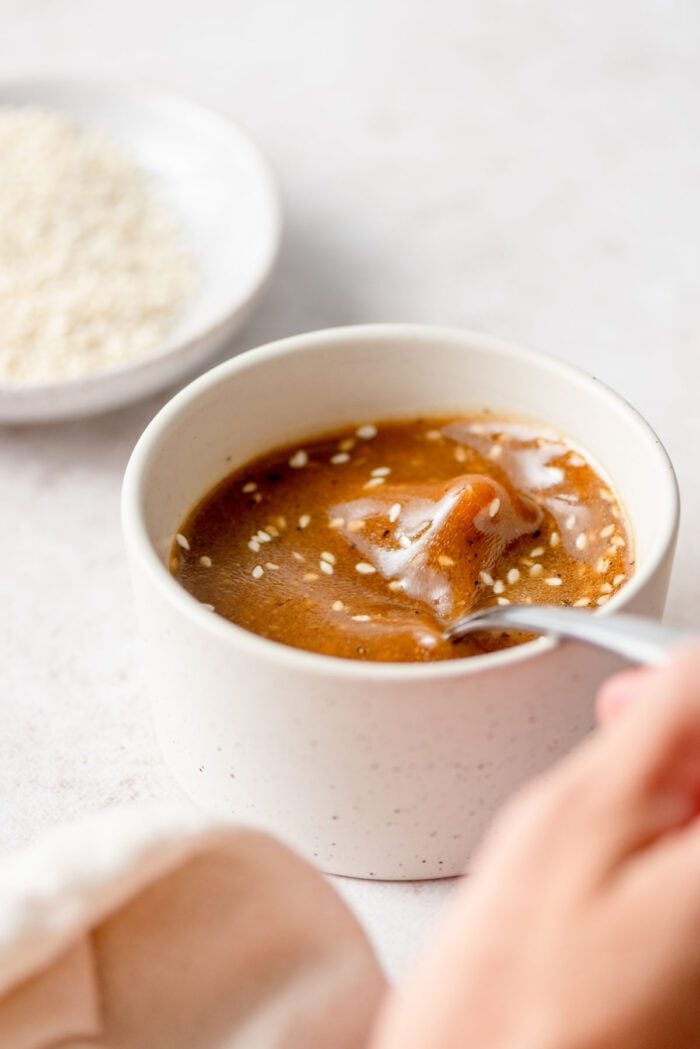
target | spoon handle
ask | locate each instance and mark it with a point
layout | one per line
(637, 638)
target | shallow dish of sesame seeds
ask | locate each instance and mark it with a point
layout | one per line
(279, 516)
(137, 232)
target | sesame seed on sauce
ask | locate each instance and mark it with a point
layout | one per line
(251, 486)
(381, 471)
(513, 576)
(364, 568)
(602, 565)
(536, 570)
(581, 541)
(310, 577)
(554, 539)
(374, 482)
(304, 520)
(361, 618)
(461, 454)
(619, 579)
(404, 542)
(494, 507)
(209, 608)
(537, 551)
(297, 556)
(606, 532)
(606, 588)
(299, 459)
(395, 585)
(617, 540)
(182, 541)
(328, 556)
(346, 445)
(254, 545)
(205, 561)
(576, 460)
(495, 451)
(433, 435)
(486, 578)
(502, 601)
(583, 602)
(499, 586)
(282, 523)
(445, 561)
(338, 606)
(553, 580)
(336, 522)
(394, 512)
(272, 566)
(258, 572)
(356, 526)
(603, 600)
(339, 458)
(271, 530)
(326, 567)
(606, 495)
(571, 522)
(263, 537)
(257, 497)
(366, 432)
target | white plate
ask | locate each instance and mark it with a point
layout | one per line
(215, 181)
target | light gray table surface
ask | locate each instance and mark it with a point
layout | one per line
(527, 168)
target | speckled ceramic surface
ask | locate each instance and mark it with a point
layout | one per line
(371, 770)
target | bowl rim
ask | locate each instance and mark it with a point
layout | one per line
(139, 545)
(139, 91)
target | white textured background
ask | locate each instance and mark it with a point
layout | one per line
(530, 168)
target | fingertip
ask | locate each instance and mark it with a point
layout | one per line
(617, 694)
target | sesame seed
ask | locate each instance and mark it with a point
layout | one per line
(205, 561)
(297, 556)
(513, 576)
(502, 601)
(445, 561)
(374, 483)
(404, 542)
(603, 600)
(576, 460)
(428, 641)
(486, 578)
(617, 540)
(182, 541)
(537, 552)
(381, 471)
(607, 495)
(581, 541)
(254, 545)
(494, 507)
(337, 606)
(272, 566)
(340, 457)
(583, 602)
(209, 608)
(257, 497)
(263, 537)
(499, 586)
(433, 435)
(304, 520)
(615, 512)
(553, 580)
(619, 579)
(571, 522)
(606, 588)
(257, 572)
(328, 556)
(606, 532)
(525, 561)
(395, 585)
(536, 570)
(310, 577)
(299, 459)
(282, 522)
(346, 445)
(251, 486)
(361, 619)
(602, 565)
(495, 451)
(366, 432)
(336, 522)
(356, 526)
(271, 530)
(477, 428)
(364, 568)
(554, 539)
(394, 512)
(326, 567)
(461, 454)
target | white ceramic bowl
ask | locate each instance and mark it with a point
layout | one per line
(220, 188)
(373, 770)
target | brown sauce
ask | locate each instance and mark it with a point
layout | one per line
(367, 542)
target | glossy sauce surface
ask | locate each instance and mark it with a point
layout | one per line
(365, 543)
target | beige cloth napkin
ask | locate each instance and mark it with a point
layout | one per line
(154, 928)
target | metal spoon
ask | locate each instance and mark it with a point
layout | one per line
(637, 638)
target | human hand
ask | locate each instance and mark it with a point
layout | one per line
(580, 928)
